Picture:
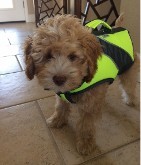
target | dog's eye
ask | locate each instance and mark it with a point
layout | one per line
(72, 57)
(49, 56)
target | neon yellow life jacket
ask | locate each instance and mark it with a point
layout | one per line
(117, 57)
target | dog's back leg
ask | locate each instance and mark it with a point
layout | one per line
(128, 83)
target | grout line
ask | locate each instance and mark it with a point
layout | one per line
(10, 73)
(51, 134)
(9, 41)
(19, 54)
(19, 63)
(110, 151)
(9, 106)
(7, 37)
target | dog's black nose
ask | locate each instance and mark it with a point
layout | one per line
(59, 80)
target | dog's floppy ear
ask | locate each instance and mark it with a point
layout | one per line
(92, 52)
(30, 67)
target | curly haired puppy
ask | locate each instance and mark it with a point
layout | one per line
(62, 54)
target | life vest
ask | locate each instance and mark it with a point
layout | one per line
(116, 58)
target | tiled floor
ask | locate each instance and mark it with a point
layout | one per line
(25, 138)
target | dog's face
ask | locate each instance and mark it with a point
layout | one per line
(61, 67)
(63, 61)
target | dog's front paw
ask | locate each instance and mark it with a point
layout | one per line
(56, 121)
(85, 146)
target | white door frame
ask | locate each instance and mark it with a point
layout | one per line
(28, 17)
(14, 13)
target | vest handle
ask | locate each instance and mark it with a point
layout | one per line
(95, 23)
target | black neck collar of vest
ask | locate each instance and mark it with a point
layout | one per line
(68, 96)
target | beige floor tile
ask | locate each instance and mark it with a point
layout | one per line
(25, 138)
(119, 126)
(128, 154)
(4, 40)
(17, 40)
(21, 60)
(7, 50)
(11, 27)
(16, 88)
(2, 33)
(16, 34)
(9, 64)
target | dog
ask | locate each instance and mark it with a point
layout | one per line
(63, 54)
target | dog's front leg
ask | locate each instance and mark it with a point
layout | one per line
(89, 107)
(85, 140)
(60, 116)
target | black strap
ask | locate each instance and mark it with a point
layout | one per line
(68, 96)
